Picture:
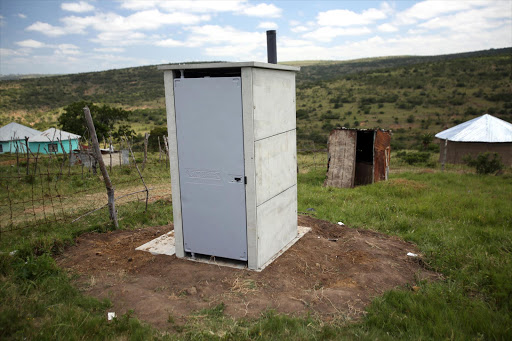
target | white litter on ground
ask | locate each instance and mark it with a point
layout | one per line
(410, 254)
(165, 245)
(340, 223)
(111, 316)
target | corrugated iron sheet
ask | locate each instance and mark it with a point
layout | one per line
(382, 153)
(16, 131)
(54, 134)
(342, 159)
(485, 128)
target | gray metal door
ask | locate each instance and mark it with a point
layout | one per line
(211, 165)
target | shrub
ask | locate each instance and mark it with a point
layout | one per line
(302, 114)
(329, 115)
(414, 157)
(485, 163)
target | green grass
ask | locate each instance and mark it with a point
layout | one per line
(461, 222)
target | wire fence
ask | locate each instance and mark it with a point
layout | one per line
(41, 189)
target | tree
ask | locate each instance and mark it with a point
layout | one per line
(426, 140)
(124, 130)
(154, 134)
(104, 118)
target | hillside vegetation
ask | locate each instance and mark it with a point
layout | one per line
(411, 95)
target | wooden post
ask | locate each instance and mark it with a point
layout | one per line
(444, 154)
(17, 158)
(146, 137)
(28, 157)
(110, 150)
(159, 150)
(120, 152)
(37, 158)
(70, 154)
(106, 178)
(166, 145)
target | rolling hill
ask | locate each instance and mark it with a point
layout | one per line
(409, 94)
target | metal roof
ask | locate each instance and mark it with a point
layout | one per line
(485, 128)
(16, 131)
(53, 134)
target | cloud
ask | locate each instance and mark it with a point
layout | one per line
(116, 39)
(143, 20)
(2, 20)
(472, 20)
(22, 16)
(169, 43)
(387, 28)
(240, 7)
(299, 29)
(215, 34)
(4, 53)
(67, 49)
(106, 23)
(30, 43)
(109, 49)
(343, 17)
(78, 7)
(138, 5)
(326, 34)
(430, 9)
(202, 6)
(290, 42)
(267, 25)
(47, 29)
(262, 10)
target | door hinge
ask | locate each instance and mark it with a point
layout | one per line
(245, 180)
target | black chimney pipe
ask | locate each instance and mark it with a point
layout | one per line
(271, 47)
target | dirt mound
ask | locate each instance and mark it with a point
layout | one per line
(332, 270)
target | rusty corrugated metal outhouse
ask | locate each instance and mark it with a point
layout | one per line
(357, 157)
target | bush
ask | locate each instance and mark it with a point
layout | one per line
(414, 157)
(302, 114)
(329, 115)
(485, 163)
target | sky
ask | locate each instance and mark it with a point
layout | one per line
(56, 37)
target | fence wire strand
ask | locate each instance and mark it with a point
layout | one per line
(51, 195)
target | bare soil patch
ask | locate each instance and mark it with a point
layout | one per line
(332, 271)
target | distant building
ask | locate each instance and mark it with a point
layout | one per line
(53, 140)
(357, 157)
(12, 137)
(482, 134)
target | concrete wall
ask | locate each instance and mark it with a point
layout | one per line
(10, 146)
(271, 147)
(457, 150)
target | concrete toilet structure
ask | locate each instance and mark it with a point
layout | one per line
(233, 160)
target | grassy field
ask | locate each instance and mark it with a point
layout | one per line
(462, 223)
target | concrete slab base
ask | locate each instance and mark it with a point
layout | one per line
(165, 245)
